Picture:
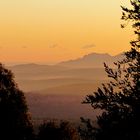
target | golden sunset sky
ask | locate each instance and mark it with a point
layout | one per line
(50, 31)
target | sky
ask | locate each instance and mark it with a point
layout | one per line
(50, 31)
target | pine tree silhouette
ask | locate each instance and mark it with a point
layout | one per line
(119, 99)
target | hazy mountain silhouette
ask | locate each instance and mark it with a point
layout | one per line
(36, 67)
(87, 69)
(92, 60)
(51, 89)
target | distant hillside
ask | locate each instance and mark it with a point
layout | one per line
(87, 69)
(56, 91)
(31, 67)
(92, 60)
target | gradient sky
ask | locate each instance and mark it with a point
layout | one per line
(50, 31)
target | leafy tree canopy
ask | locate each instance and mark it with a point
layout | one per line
(14, 118)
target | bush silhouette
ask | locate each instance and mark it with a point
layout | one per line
(14, 118)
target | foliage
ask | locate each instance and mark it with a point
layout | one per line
(119, 99)
(86, 129)
(14, 118)
(53, 131)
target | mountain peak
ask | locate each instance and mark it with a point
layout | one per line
(97, 55)
(92, 60)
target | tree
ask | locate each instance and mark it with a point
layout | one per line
(57, 131)
(48, 131)
(86, 129)
(119, 99)
(14, 118)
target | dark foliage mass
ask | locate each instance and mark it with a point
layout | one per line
(14, 118)
(53, 131)
(119, 99)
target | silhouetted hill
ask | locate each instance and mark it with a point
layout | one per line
(87, 69)
(36, 67)
(92, 60)
(52, 89)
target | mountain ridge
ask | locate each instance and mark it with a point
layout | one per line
(92, 60)
(89, 60)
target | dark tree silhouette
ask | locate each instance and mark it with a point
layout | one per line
(119, 99)
(86, 129)
(55, 131)
(14, 118)
(48, 131)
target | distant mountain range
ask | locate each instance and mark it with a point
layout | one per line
(92, 60)
(86, 69)
(56, 91)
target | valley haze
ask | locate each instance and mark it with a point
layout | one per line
(57, 91)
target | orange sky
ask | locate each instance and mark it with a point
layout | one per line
(50, 31)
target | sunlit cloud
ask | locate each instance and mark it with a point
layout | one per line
(53, 46)
(88, 46)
